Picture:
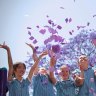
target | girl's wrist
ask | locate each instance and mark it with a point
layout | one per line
(51, 69)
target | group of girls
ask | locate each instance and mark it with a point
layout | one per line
(44, 81)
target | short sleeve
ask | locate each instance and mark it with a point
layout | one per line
(28, 81)
(57, 85)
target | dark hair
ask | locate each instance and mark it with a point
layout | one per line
(15, 66)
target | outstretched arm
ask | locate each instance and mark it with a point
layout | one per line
(34, 56)
(34, 67)
(10, 62)
(51, 69)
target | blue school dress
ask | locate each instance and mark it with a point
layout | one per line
(18, 88)
(66, 88)
(42, 86)
(89, 86)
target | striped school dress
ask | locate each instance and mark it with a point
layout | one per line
(42, 86)
(66, 88)
(89, 86)
(19, 88)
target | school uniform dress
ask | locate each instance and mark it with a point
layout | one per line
(66, 88)
(89, 86)
(18, 88)
(42, 86)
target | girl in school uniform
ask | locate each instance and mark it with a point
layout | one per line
(18, 86)
(65, 87)
(89, 86)
(42, 86)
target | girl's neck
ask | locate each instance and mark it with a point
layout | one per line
(19, 78)
(66, 78)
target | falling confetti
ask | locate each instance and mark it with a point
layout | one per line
(42, 31)
(88, 23)
(37, 26)
(70, 20)
(94, 15)
(66, 20)
(35, 41)
(29, 33)
(56, 48)
(62, 7)
(29, 28)
(59, 27)
(31, 38)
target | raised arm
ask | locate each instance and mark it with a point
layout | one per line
(51, 69)
(34, 56)
(10, 62)
(35, 66)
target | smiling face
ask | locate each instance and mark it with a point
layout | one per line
(83, 62)
(19, 69)
(64, 72)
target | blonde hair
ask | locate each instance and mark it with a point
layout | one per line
(64, 66)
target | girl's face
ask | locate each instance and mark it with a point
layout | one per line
(64, 73)
(42, 71)
(20, 70)
(83, 62)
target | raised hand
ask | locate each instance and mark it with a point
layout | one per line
(4, 46)
(30, 45)
(43, 53)
(79, 80)
(10, 61)
(34, 56)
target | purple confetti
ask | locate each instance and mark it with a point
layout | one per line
(51, 30)
(62, 7)
(48, 46)
(91, 79)
(37, 26)
(70, 32)
(78, 27)
(91, 90)
(35, 41)
(59, 27)
(88, 23)
(31, 38)
(47, 16)
(66, 20)
(42, 31)
(29, 28)
(94, 15)
(56, 48)
(50, 21)
(70, 20)
(45, 81)
(29, 33)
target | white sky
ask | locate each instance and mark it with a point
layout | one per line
(17, 15)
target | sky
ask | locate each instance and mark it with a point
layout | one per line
(17, 15)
